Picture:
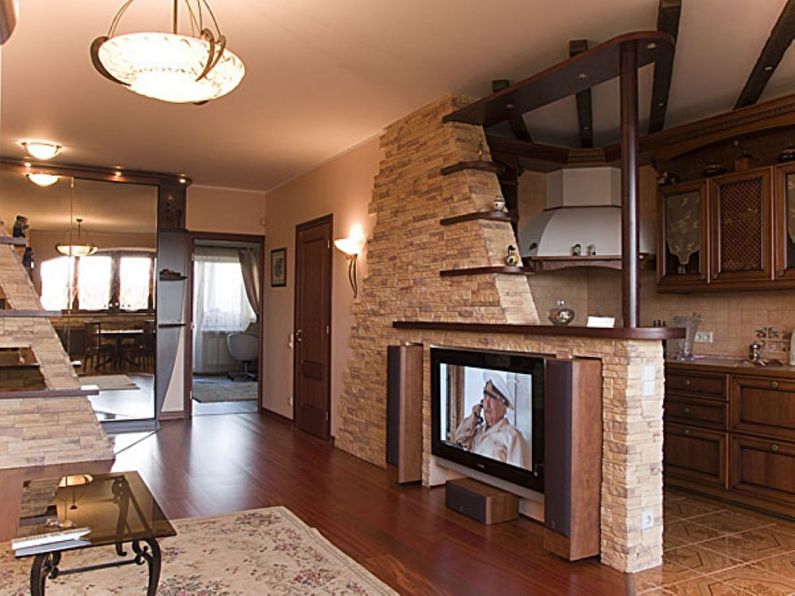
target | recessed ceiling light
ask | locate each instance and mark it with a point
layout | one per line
(42, 179)
(182, 180)
(41, 149)
(651, 46)
(117, 173)
(27, 164)
(582, 75)
(768, 68)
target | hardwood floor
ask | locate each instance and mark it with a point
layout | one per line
(406, 536)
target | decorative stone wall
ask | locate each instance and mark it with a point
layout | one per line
(408, 249)
(43, 431)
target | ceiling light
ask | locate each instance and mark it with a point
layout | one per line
(42, 179)
(171, 67)
(41, 149)
(80, 248)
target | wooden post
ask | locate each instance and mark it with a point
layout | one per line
(629, 184)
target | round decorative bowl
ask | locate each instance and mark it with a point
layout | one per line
(561, 315)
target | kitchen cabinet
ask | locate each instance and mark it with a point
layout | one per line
(682, 240)
(784, 218)
(729, 431)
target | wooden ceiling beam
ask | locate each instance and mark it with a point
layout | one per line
(780, 39)
(668, 14)
(592, 67)
(557, 156)
(515, 121)
(584, 111)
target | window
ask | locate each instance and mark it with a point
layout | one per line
(115, 281)
(220, 303)
(93, 282)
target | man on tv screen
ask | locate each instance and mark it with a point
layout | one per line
(488, 432)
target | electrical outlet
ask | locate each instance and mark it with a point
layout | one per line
(704, 337)
(647, 519)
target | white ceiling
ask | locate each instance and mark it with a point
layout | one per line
(323, 76)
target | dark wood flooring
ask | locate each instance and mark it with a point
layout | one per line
(406, 536)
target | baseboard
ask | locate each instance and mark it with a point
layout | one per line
(173, 415)
(275, 416)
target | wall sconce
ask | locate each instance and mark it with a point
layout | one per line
(352, 246)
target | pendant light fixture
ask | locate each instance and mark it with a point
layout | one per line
(42, 179)
(41, 149)
(172, 67)
(79, 248)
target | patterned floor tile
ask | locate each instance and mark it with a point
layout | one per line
(684, 532)
(731, 522)
(667, 573)
(700, 559)
(781, 565)
(753, 545)
(688, 508)
(756, 581)
(704, 585)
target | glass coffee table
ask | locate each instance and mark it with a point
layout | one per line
(118, 509)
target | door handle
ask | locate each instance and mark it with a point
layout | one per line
(299, 336)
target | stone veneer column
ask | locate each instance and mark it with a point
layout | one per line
(409, 248)
(404, 257)
(43, 431)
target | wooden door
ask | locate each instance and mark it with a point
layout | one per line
(741, 227)
(312, 365)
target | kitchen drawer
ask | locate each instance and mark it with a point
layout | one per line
(696, 412)
(704, 385)
(763, 468)
(762, 406)
(695, 454)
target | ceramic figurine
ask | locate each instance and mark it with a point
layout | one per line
(512, 259)
(788, 154)
(576, 250)
(499, 204)
(560, 315)
(714, 168)
(27, 259)
(591, 250)
(20, 226)
(666, 178)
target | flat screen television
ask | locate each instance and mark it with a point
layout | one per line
(487, 413)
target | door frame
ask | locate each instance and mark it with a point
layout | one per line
(326, 219)
(188, 376)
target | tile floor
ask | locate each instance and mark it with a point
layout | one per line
(715, 549)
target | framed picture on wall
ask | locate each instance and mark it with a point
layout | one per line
(278, 267)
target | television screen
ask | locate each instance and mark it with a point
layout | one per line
(488, 412)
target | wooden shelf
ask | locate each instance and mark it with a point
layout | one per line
(170, 325)
(477, 164)
(537, 264)
(642, 333)
(27, 394)
(170, 277)
(485, 271)
(11, 313)
(13, 241)
(479, 215)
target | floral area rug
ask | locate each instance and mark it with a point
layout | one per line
(264, 551)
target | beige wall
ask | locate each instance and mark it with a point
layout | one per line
(228, 210)
(341, 187)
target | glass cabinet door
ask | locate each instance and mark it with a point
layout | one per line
(740, 207)
(681, 254)
(785, 223)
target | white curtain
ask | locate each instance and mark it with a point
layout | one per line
(220, 307)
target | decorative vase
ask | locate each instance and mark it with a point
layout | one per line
(787, 154)
(499, 204)
(714, 168)
(690, 324)
(561, 315)
(512, 258)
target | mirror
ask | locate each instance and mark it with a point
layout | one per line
(92, 258)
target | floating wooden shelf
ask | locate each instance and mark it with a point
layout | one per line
(537, 264)
(11, 313)
(479, 215)
(26, 394)
(484, 271)
(170, 325)
(645, 333)
(20, 366)
(172, 277)
(478, 164)
(13, 241)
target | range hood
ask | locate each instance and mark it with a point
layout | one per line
(583, 207)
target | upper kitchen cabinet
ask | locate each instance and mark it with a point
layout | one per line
(683, 240)
(741, 228)
(785, 223)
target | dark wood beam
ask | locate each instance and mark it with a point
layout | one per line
(668, 14)
(558, 156)
(515, 121)
(594, 66)
(780, 39)
(584, 112)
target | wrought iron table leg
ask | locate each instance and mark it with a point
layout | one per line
(152, 558)
(44, 565)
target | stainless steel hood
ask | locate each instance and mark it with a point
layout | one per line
(583, 207)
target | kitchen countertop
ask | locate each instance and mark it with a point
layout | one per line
(731, 365)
